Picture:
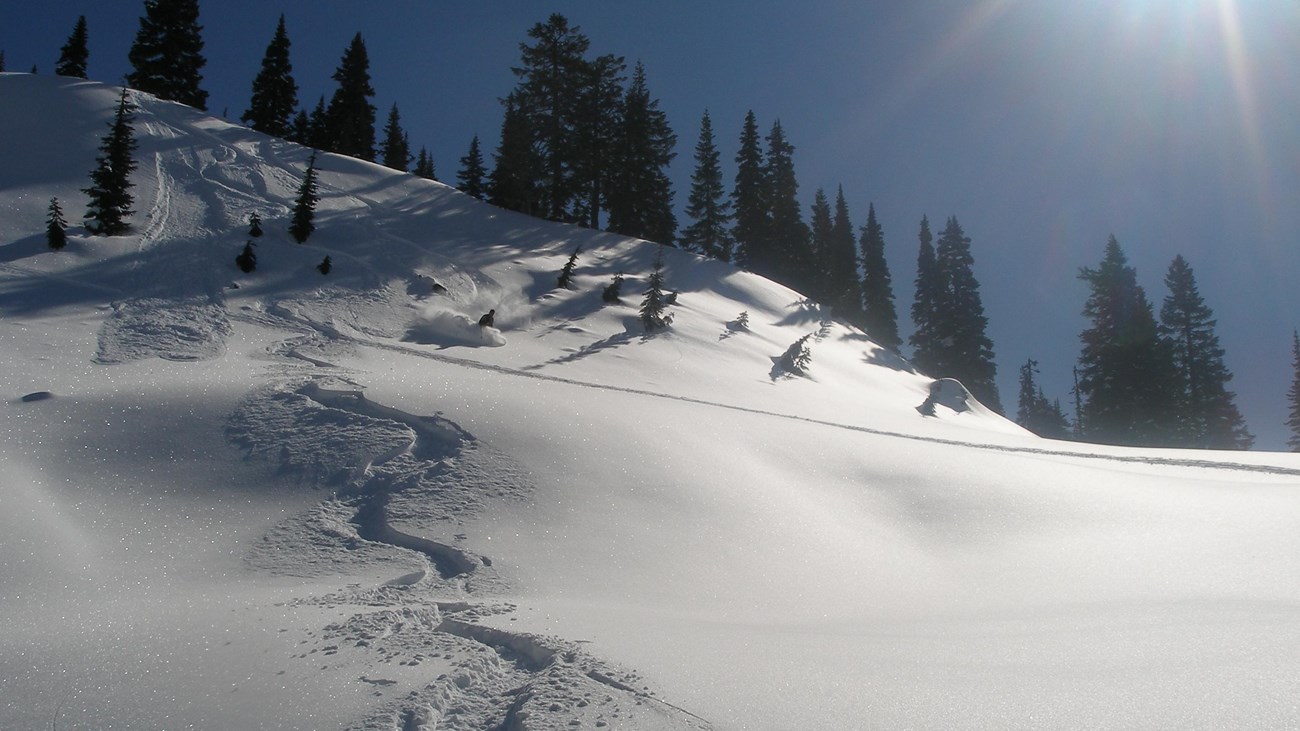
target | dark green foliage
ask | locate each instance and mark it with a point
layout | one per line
(1127, 376)
(1293, 396)
(300, 128)
(641, 194)
(839, 268)
(56, 227)
(879, 316)
(566, 274)
(350, 117)
(318, 127)
(167, 55)
(254, 225)
(472, 176)
(2, 61)
(1207, 416)
(963, 350)
(513, 183)
(819, 245)
(797, 357)
(396, 150)
(613, 290)
(74, 54)
(752, 230)
(324, 266)
(654, 305)
(707, 206)
(110, 181)
(925, 339)
(791, 260)
(275, 93)
(304, 206)
(597, 131)
(1035, 412)
(551, 75)
(247, 259)
(424, 165)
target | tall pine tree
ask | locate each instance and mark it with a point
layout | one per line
(1127, 376)
(74, 54)
(56, 235)
(707, 206)
(840, 268)
(424, 165)
(792, 262)
(396, 152)
(965, 351)
(471, 177)
(1293, 395)
(513, 183)
(275, 93)
(110, 181)
(751, 194)
(552, 73)
(819, 246)
(597, 128)
(1034, 411)
(924, 339)
(641, 194)
(1207, 416)
(880, 318)
(304, 206)
(350, 117)
(167, 55)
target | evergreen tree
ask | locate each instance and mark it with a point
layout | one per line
(110, 181)
(247, 259)
(965, 351)
(924, 339)
(708, 207)
(56, 227)
(1035, 412)
(751, 194)
(1207, 415)
(2, 62)
(1126, 373)
(843, 288)
(74, 54)
(513, 182)
(167, 55)
(819, 244)
(566, 274)
(597, 130)
(318, 127)
(613, 290)
(396, 152)
(792, 262)
(879, 315)
(275, 93)
(304, 206)
(653, 307)
(1293, 396)
(797, 357)
(300, 128)
(254, 225)
(325, 266)
(424, 165)
(472, 176)
(551, 75)
(641, 195)
(350, 117)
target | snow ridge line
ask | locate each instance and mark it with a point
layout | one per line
(1040, 451)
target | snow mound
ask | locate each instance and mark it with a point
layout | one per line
(189, 329)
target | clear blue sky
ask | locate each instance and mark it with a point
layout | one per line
(1043, 126)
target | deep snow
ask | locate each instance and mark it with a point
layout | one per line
(282, 500)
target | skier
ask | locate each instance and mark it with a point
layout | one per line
(488, 320)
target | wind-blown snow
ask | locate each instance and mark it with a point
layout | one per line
(288, 500)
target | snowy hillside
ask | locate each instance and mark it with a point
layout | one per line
(289, 500)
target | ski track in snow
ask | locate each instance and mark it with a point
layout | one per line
(423, 471)
(1038, 451)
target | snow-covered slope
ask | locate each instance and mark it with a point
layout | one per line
(288, 500)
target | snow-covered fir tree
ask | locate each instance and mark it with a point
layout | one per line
(110, 181)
